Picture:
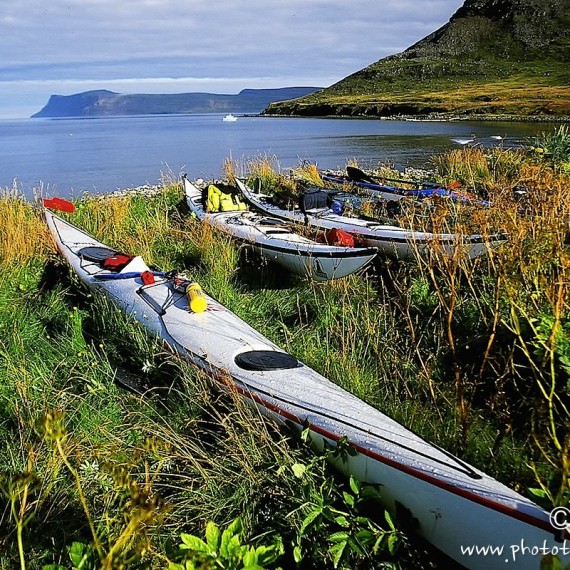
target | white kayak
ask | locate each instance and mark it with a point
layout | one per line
(277, 241)
(457, 507)
(392, 241)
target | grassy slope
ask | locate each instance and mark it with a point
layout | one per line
(517, 96)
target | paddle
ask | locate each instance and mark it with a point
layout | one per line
(59, 204)
(355, 173)
(429, 188)
(127, 275)
(358, 175)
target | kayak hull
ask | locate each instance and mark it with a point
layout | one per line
(454, 505)
(278, 242)
(391, 241)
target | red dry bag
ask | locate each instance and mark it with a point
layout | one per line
(117, 261)
(336, 236)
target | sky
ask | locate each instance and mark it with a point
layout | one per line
(179, 46)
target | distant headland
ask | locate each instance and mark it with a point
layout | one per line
(103, 103)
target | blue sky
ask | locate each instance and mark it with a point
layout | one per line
(174, 46)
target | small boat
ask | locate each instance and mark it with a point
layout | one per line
(277, 241)
(230, 118)
(455, 506)
(392, 241)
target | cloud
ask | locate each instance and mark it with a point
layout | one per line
(142, 40)
(152, 84)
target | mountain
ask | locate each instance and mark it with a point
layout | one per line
(105, 103)
(493, 57)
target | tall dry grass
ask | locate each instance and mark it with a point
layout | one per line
(519, 301)
(23, 233)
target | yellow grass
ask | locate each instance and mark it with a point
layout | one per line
(107, 218)
(23, 232)
(516, 97)
(310, 173)
(115, 221)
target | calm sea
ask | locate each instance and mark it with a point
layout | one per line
(67, 157)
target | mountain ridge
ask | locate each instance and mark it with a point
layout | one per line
(102, 102)
(493, 57)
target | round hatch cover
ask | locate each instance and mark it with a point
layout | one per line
(95, 253)
(266, 360)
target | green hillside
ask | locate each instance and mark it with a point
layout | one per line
(493, 57)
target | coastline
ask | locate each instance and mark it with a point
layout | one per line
(443, 117)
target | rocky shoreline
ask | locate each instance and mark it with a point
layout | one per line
(444, 117)
(148, 190)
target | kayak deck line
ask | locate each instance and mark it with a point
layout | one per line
(246, 391)
(496, 506)
(254, 395)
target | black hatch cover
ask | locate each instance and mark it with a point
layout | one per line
(95, 253)
(265, 360)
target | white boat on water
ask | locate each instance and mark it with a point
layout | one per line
(477, 521)
(230, 118)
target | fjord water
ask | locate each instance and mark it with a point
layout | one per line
(67, 157)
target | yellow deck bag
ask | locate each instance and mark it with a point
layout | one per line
(213, 200)
(218, 201)
(226, 203)
(241, 205)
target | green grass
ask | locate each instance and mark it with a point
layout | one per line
(79, 453)
(471, 354)
(511, 97)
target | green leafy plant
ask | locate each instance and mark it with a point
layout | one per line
(336, 516)
(226, 549)
(556, 146)
(82, 557)
(349, 534)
